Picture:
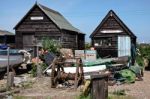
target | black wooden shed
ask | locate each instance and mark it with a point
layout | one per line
(7, 38)
(40, 22)
(112, 37)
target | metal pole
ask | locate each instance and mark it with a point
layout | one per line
(8, 56)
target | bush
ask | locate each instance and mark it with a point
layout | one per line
(87, 45)
(48, 45)
(144, 53)
(51, 45)
(139, 61)
(34, 68)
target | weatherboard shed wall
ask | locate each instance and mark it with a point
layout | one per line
(40, 22)
(105, 37)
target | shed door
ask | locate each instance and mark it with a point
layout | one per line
(28, 40)
(124, 46)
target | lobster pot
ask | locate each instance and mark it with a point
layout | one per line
(124, 46)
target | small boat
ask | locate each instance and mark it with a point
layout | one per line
(87, 70)
(15, 58)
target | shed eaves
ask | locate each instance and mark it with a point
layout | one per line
(4, 32)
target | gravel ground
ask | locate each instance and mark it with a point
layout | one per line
(41, 89)
(139, 89)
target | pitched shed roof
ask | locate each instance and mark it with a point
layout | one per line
(4, 32)
(56, 17)
(113, 14)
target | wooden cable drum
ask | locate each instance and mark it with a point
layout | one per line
(58, 74)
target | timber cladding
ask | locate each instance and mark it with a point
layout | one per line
(105, 37)
(40, 22)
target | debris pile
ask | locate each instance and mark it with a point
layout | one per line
(119, 68)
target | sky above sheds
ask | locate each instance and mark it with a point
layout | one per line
(84, 14)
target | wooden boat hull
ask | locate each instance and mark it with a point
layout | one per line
(14, 58)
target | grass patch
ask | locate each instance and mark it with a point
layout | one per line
(27, 85)
(119, 92)
(31, 97)
(111, 96)
(83, 97)
(20, 97)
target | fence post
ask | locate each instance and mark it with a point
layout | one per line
(10, 80)
(99, 88)
(8, 56)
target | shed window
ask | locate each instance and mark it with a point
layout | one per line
(103, 42)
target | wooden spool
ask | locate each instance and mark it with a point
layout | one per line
(58, 73)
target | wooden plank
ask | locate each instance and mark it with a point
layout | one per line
(77, 73)
(10, 79)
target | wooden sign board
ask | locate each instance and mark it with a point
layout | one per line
(80, 54)
(37, 18)
(90, 55)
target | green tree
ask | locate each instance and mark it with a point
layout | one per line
(87, 45)
(143, 54)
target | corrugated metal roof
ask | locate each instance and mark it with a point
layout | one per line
(58, 19)
(4, 32)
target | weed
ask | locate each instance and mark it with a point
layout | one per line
(83, 97)
(119, 92)
(34, 68)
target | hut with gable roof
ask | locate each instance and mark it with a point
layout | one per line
(41, 21)
(112, 38)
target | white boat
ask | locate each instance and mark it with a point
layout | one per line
(86, 70)
(14, 58)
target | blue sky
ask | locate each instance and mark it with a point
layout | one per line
(84, 14)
